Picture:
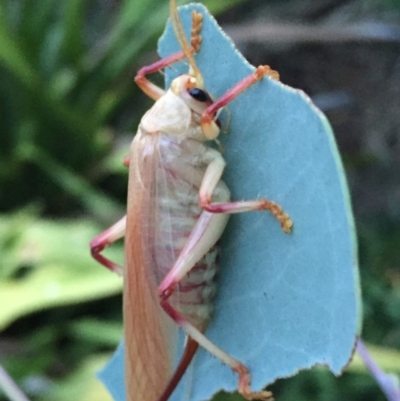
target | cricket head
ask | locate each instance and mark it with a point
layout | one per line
(188, 89)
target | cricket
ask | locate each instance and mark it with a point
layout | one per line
(177, 209)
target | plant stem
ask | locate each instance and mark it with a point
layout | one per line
(9, 387)
(385, 381)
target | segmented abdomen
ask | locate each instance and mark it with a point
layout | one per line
(178, 178)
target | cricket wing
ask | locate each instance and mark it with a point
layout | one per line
(150, 334)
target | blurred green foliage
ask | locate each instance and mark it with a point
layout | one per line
(68, 108)
(67, 73)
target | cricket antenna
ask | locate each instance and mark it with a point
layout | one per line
(188, 50)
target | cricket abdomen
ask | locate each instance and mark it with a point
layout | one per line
(195, 293)
(179, 176)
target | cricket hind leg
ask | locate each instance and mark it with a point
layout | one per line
(198, 337)
(203, 237)
(107, 237)
(152, 90)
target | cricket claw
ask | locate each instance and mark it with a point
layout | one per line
(260, 395)
(286, 223)
(244, 386)
(263, 70)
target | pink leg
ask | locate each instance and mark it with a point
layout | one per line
(248, 206)
(127, 160)
(151, 90)
(195, 334)
(209, 126)
(107, 237)
(217, 165)
(204, 235)
(207, 231)
(201, 339)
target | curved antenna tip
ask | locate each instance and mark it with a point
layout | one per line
(195, 40)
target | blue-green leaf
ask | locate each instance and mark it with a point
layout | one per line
(285, 302)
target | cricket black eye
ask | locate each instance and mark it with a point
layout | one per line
(199, 95)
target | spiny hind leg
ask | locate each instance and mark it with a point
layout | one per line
(238, 367)
(204, 235)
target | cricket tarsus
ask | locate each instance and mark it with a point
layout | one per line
(170, 148)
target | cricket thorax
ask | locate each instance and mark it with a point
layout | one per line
(176, 115)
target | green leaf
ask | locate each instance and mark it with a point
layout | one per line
(60, 270)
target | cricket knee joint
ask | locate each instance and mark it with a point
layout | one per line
(140, 78)
(96, 247)
(220, 194)
(164, 294)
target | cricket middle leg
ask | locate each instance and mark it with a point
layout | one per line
(209, 188)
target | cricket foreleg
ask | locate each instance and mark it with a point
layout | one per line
(208, 125)
(201, 339)
(209, 187)
(107, 237)
(150, 89)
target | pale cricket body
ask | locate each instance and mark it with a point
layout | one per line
(178, 207)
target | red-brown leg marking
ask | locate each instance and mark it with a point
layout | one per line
(188, 354)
